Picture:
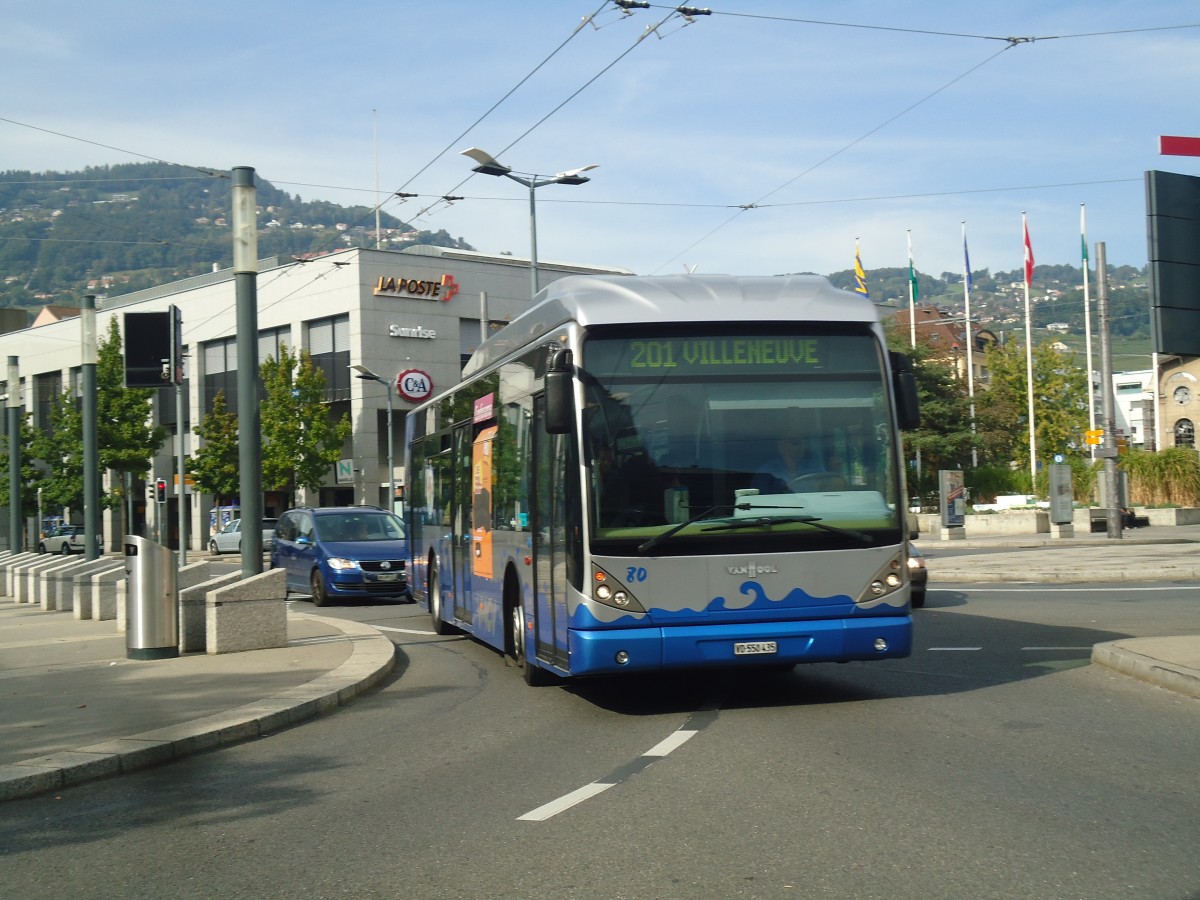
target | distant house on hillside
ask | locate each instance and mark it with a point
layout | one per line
(51, 313)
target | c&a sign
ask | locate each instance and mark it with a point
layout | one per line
(414, 385)
(416, 288)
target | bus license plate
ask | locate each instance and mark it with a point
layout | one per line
(749, 648)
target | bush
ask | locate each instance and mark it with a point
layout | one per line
(1167, 478)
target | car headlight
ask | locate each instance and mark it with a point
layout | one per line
(341, 564)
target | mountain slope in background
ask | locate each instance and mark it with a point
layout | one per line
(109, 230)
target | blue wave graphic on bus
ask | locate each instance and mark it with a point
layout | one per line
(583, 617)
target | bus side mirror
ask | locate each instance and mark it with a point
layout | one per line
(560, 408)
(904, 382)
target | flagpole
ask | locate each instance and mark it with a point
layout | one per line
(912, 296)
(1029, 356)
(1087, 322)
(970, 335)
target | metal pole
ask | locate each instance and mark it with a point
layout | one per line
(91, 442)
(15, 540)
(483, 317)
(970, 336)
(245, 274)
(1087, 324)
(533, 262)
(391, 452)
(181, 466)
(1113, 507)
(1029, 385)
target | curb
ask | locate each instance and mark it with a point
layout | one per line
(372, 658)
(1119, 658)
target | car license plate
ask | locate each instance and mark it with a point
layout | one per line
(387, 576)
(749, 648)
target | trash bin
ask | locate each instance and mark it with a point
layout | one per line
(152, 600)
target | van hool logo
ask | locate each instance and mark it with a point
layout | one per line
(392, 286)
(753, 570)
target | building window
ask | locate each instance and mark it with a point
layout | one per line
(329, 347)
(271, 341)
(1185, 433)
(48, 386)
(220, 373)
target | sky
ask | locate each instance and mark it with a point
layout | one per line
(768, 137)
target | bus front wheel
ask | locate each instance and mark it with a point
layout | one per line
(434, 592)
(534, 675)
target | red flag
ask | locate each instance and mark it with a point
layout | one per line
(1028, 253)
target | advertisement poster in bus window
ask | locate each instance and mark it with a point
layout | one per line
(481, 503)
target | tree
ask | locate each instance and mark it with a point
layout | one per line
(126, 439)
(31, 473)
(1059, 404)
(60, 450)
(215, 466)
(300, 442)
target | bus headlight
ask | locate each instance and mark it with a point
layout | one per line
(887, 580)
(610, 592)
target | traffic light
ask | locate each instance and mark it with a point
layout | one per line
(1094, 436)
(160, 490)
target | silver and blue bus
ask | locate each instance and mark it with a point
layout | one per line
(642, 474)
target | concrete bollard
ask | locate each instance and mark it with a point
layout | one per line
(249, 615)
(81, 585)
(193, 617)
(44, 584)
(7, 564)
(104, 593)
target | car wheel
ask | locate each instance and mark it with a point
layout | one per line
(41, 548)
(918, 598)
(317, 583)
(65, 549)
(434, 593)
(534, 676)
(213, 549)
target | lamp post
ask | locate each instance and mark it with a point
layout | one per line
(489, 165)
(367, 375)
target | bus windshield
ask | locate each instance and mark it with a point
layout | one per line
(720, 441)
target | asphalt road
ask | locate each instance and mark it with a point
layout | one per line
(995, 762)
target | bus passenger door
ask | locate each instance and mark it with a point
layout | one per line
(460, 530)
(549, 552)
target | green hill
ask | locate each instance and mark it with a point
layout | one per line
(115, 229)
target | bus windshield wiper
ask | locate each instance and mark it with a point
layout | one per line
(814, 521)
(646, 546)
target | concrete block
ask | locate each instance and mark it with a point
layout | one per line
(27, 573)
(44, 593)
(193, 616)
(248, 615)
(104, 592)
(81, 585)
(7, 564)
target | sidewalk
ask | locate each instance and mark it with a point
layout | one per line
(1142, 554)
(76, 709)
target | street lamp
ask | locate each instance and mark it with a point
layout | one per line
(489, 165)
(367, 375)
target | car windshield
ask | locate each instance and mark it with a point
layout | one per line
(359, 526)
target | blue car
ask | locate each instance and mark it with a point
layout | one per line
(334, 552)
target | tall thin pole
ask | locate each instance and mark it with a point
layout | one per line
(533, 260)
(391, 451)
(16, 541)
(181, 467)
(1029, 358)
(1111, 500)
(912, 296)
(375, 144)
(245, 274)
(1087, 320)
(91, 442)
(1158, 444)
(970, 338)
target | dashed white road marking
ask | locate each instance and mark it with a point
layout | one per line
(404, 630)
(695, 723)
